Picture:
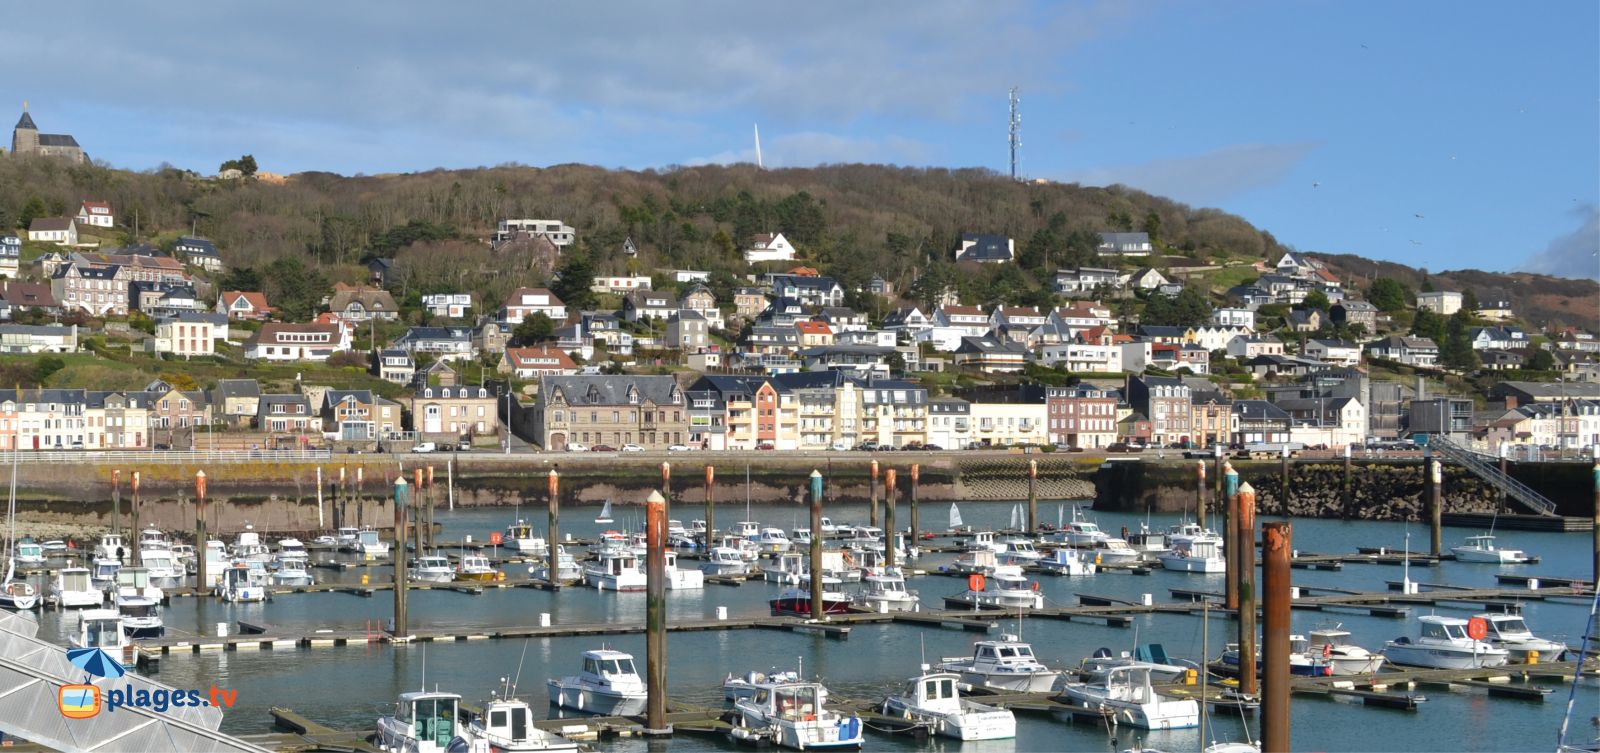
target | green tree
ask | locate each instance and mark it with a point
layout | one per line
(1428, 324)
(577, 275)
(1186, 309)
(1456, 351)
(240, 278)
(1469, 302)
(1388, 295)
(1541, 360)
(931, 285)
(534, 328)
(46, 366)
(31, 211)
(295, 290)
(1152, 226)
(1318, 300)
(245, 164)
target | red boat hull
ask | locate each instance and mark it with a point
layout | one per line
(801, 607)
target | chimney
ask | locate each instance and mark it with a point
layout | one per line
(1511, 402)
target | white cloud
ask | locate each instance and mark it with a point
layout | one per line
(1576, 254)
(1205, 179)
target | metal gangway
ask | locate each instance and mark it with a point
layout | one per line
(32, 673)
(1481, 467)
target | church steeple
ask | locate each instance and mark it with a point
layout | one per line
(26, 122)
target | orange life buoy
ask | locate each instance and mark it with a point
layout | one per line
(975, 582)
(1327, 650)
(1036, 585)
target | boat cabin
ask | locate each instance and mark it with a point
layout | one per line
(1507, 627)
(1003, 653)
(1443, 628)
(519, 530)
(936, 692)
(367, 538)
(617, 563)
(796, 701)
(748, 529)
(100, 628)
(431, 717)
(612, 669)
(151, 538)
(507, 721)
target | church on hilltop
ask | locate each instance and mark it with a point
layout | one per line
(26, 139)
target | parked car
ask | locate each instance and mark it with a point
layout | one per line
(868, 446)
(932, 447)
(631, 447)
(766, 446)
(577, 447)
(424, 447)
(912, 446)
(1125, 447)
(840, 447)
(678, 448)
(602, 448)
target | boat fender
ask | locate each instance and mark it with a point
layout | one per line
(1327, 650)
(1036, 585)
(458, 745)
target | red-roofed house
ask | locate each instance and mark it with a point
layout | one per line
(96, 213)
(814, 334)
(244, 304)
(531, 363)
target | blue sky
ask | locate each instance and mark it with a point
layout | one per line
(1330, 124)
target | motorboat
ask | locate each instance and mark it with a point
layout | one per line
(567, 568)
(29, 553)
(746, 548)
(369, 545)
(292, 549)
(136, 581)
(183, 554)
(1005, 664)
(1018, 551)
(217, 563)
(102, 629)
(681, 579)
(103, 572)
(796, 602)
(1483, 549)
(785, 568)
(793, 715)
(1080, 533)
(772, 541)
(615, 571)
(844, 565)
(1304, 658)
(293, 573)
(1151, 656)
(18, 595)
(934, 699)
(980, 561)
(748, 685)
(1510, 632)
(141, 615)
(745, 529)
(242, 584)
(1116, 551)
(1194, 555)
(1146, 541)
(1443, 643)
(884, 590)
(506, 725)
(608, 685)
(55, 547)
(982, 541)
(1186, 532)
(475, 568)
(1065, 561)
(347, 537)
(249, 548)
(324, 541)
(722, 560)
(424, 722)
(110, 547)
(1128, 695)
(519, 537)
(1005, 589)
(74, 588)
(153, 538)
(432, 568)
(828, 528)
(163, 567)
(1346, 658)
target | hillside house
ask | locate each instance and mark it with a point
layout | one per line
(532, 363)
(448, 305)
(359, 304)
(525, 302)
(986, 248)
(96, 214)
(769, 247)
(199, 252)
(1125, 244)
(244, 305)
(296, 342)
(61, 231)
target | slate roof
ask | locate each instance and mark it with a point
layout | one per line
(610, 389)
(985, 246)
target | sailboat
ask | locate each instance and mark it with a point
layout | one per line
(605, 514)
(1562, 746)
(955, 517)
(15, 594)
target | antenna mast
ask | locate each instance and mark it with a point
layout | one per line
(1015, 132)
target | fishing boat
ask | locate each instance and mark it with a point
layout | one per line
(110, 547)
(1005, 589)
(784, 569)
(1482, 549)
(679, 579)
(615, 571)
(793, 715)
(884, 590)
(73, 588)
(772, 541)
(605, 514)
(1066, 561)
(475, 568)
(1510, 632)
(141, 615)
(1194, 555)
(567, 568)
(424, 722)
(1116, 551)
(1346, 658)
(724, 561)
(745, 529)
(369, 545)
(519, 537)
(102, 629)
(933, 699)
(432, 568)
(103, 574)
(1443, 643)
(293, 573)
(1005, 664)
(1018, 551)
(506, 725)
(796, 602)
(242, 584)
(979, 561)
(1128, 695)
(982, 541)
(248, 547)
(608, 685)
(1151, 656)
(163, 567)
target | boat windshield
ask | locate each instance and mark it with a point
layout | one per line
(511, 723)
(138, 610)
(434, 720)
(369, 538)
(133, 578)
(609, 667)
(939, 688)
(102, 634)
(892, 586)
(1511, 626)
(797, 702)
(77, 580)
(1088, 528)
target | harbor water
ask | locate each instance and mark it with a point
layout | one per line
(349, 687)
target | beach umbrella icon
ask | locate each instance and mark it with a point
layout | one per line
(96, 662)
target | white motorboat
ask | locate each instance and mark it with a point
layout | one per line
(1304, 660)
(884, 590)
(249, 548)
(74, 588)
(1345, 658)
(749, 684)
(1179, 534)
(29, 553)
(609, 541)
(1080, 533)
(1147, 541)
(520, 537)
(1483, 549)
(347, 537)
(934, 700)
(615, 571)
(102, 629)
(1126, 692)
(506, 725)
(745, 529)
(242, 583)
(370, 545)
(1018, 551)
(793, 715)
(1116, 551)
(432, 568)
(141, 615)
(475, 568)
(425, 722)
(110, 547)
(217, 563)
(982, 541)
(55, 548)
(567, 568)
(784, 569)
(1151, 656)
(103, 573)
(980, 561)
(844, 566)
(293, 573)
(681, 579)
(1510, 632)
(163, 567)
(722, 560)
(772, 541)
(1194, 555)
(292, 549)
(183, 554)
(153, 538)
(1065, 561)
(608, 685)
(18, 594)
(1005, 589)
(1005, 664)
(828, 528)
(136, 581)
(1443, 643)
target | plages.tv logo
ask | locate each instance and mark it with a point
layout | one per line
(83, 700)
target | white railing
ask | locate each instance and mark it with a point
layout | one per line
(145, 457)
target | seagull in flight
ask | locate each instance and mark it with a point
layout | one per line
(1416, 243)
(1419, 216)
(1315, 185)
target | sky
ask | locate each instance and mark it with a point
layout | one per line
(1442, 134)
